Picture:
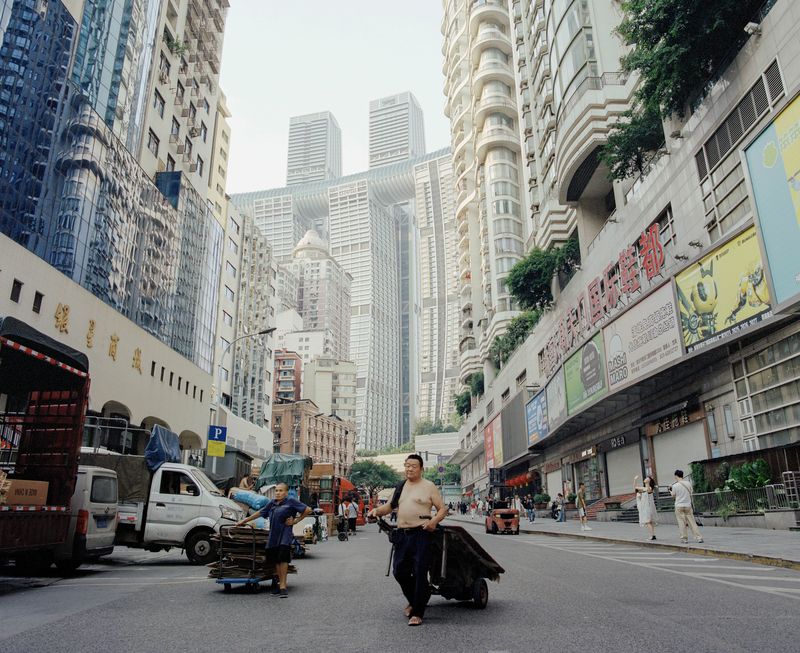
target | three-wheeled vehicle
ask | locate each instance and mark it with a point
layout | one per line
(502, 518)
(459, 566)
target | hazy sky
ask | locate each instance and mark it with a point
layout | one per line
(287, 58)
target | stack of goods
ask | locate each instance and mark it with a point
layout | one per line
(239, 557)
(4, 486)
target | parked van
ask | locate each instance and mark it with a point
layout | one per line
(93, 523)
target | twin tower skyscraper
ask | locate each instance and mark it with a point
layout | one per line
(396, 133)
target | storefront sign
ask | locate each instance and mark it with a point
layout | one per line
(619, 441)
(773, 163)
(552, 466)
(643, 339)
(723, 293)
(623, 277)
(582, 454)
(556, 399)
(674, 421)
(536, 419)
(493, 443)
(585, 375)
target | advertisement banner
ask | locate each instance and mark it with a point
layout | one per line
(723, 293)
(536, 418)
(498, 440)
(488, 445)
(773, 163)
(585, 375)
(642, 340)
(556, 399)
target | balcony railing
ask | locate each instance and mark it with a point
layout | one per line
(769, 497)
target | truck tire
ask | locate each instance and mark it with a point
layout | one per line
(480, 593)
(199, 548)
(35, 562)
(68, 566)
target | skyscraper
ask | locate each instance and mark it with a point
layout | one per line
(396, 129)
(315, 148)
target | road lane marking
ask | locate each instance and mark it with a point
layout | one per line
(753, 577)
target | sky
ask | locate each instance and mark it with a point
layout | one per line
(287, 58)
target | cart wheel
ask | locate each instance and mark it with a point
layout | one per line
(226, 587)
(494, 529)
(480, 593)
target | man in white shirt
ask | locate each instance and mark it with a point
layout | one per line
(682, 491)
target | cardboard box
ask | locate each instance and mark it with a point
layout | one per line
(26, 493)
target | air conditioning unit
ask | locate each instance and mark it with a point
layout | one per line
(194, 132)
(184, 112)
(192, 167)
(181, 147)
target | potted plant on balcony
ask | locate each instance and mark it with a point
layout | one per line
(571, 500)
(541, 500)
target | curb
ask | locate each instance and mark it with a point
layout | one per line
(771, 561)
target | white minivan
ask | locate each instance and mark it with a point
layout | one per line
(93, 523)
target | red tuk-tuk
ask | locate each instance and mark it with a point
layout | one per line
(502, 518)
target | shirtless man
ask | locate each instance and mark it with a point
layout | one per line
(414, 526)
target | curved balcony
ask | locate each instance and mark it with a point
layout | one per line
(469, 362)
(492, 70)
(497, 137)
(496, 102)
(466, 170)
(487, 11)
(464, 201)
(490, 37)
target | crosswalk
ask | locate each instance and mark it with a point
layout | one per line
(759, 578)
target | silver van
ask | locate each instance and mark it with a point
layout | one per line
(93, 524)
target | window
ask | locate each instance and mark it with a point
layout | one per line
(192, 112)
(171, 378)
(203, 131)
(162, 373)
(235, 226)
(179, 93)
(227, 318)
(221, 171)
(158, 103)
(224, 343)
(230, 269)
(200, 164)
(175, 128)
(170, 163)
(16, 289)
(223, 154)
(163, 64)
(229, 293)
(104, 490)
(232, 246)
(153, 369)
(187, 149)
(225, 136)
(37, 302)
(152, 142)
(206, 105)
(223, 373)
(178, 483)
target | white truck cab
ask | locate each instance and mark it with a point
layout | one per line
(184, 508)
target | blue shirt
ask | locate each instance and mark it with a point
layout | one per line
(279, 533)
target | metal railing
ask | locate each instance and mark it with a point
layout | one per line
(769, 497)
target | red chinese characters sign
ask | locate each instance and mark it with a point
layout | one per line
(603, 295)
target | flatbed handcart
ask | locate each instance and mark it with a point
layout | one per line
(459, 566)
(242, 558)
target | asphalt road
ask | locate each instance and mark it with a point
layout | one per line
(559, 594)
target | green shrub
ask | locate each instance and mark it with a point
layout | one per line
(748, 475)
(541, 498)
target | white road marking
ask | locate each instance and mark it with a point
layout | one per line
(752, 577)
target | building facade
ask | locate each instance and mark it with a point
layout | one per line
(301, 428)
(488, 165)
(315, 148)
(288, 376)
(672, 343)
(331, 384)
(396, 129)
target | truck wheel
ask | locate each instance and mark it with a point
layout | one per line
(34, 563)
(480, 593)
(199, 549)
(68, 566)
(494, 529)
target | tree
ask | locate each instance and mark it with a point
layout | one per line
(463, 403)
(373, 476)
(425, 426)
(678, 45)
(452, 474)
(530, 280)
(475, 383)
(507, 343)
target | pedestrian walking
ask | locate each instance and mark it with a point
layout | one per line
(283, 513)
(527, 503)
(646, 504)
(561, 509)
(352, 516)
(413, 499)
(580, 504)
(682, 491)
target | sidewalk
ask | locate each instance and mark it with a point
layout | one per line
(776, 548)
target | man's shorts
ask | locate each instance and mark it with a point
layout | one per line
(582, 512)
(280, 553)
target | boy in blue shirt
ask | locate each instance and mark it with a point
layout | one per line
(283, 513)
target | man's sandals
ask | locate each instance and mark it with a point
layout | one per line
(415, 621)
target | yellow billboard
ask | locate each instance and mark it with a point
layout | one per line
(723, 293)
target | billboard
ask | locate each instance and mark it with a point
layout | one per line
(536, 418)
(556, 399)
(723, 293)
(641, 341)
(773, 164)
(498, 440)
(488, 445)
(585, 374)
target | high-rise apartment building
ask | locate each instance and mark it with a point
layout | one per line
(439, 303)
(288, 376)
(279, 221)
(323, 292)
(315, 148)
(396, 129)
(374, 236)
(488, 169)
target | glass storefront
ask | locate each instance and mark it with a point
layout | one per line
(588, 471)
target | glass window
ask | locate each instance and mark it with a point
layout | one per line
(230, 269)
(170, 163)
(158, 103)
(37, 302)
(16, 290)
(152, 142)
(187, 148)
(200, 165)
(229, 293)
(104, 490)
(178, 483)
(203, 131)
(179, 92)
(227, 318)
(175, 128)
